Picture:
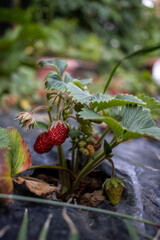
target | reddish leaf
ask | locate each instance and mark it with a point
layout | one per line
(6, 184)
(21, 156)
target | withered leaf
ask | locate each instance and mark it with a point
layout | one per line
(36, 186)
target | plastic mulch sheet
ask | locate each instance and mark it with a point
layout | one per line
(138, 161)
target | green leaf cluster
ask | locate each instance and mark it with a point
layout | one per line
(130, 117)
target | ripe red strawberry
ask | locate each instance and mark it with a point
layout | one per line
(113, 188)
(42, 143)
(58, 132)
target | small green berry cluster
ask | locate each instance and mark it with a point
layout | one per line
(89, 145)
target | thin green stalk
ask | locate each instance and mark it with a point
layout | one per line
(62, 162)
(77, 162)
(73, 157)
(103, 135)
(58, 107)
(50, 117)
(114, 144)
(111, 162)
(37, 109)
(91, 209)
(87, 168)
(52, 167)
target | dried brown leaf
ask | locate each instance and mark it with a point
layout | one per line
(36, 186)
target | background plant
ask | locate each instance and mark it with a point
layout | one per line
(103, 32)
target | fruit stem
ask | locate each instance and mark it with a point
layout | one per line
(113, 168)
(71, 116)
(37, 109)
(58, 107)
(49, 114)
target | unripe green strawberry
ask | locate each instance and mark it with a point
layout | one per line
(81, 144)
(81, 149)
(91, 149)
(113, 187)
(85, 152)
(93, 140)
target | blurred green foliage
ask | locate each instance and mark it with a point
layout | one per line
(97, 30)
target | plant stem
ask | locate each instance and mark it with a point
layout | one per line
(62, 162)
(113, 168)
(103, 135)
(50, 117)
(52, 167)
(75, 163)
(38, 108)
(61, 109)
(73, 156)
(92, 164)
(71, 116)
(58, 107)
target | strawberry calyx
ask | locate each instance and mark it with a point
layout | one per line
(55, 123)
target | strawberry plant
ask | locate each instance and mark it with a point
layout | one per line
(73, 114)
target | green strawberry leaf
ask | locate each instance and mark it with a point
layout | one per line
(151, 103)
(121, 99)
(78, 94)
(6, 184)
(137, 121)
(107, 148)
(54, 82)
(58, 64)
(86, 81)
(4, 138)
(101, 101)
(20, 157)
(68, 78)
(84, 96)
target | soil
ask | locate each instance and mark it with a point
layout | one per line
(89, 193)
